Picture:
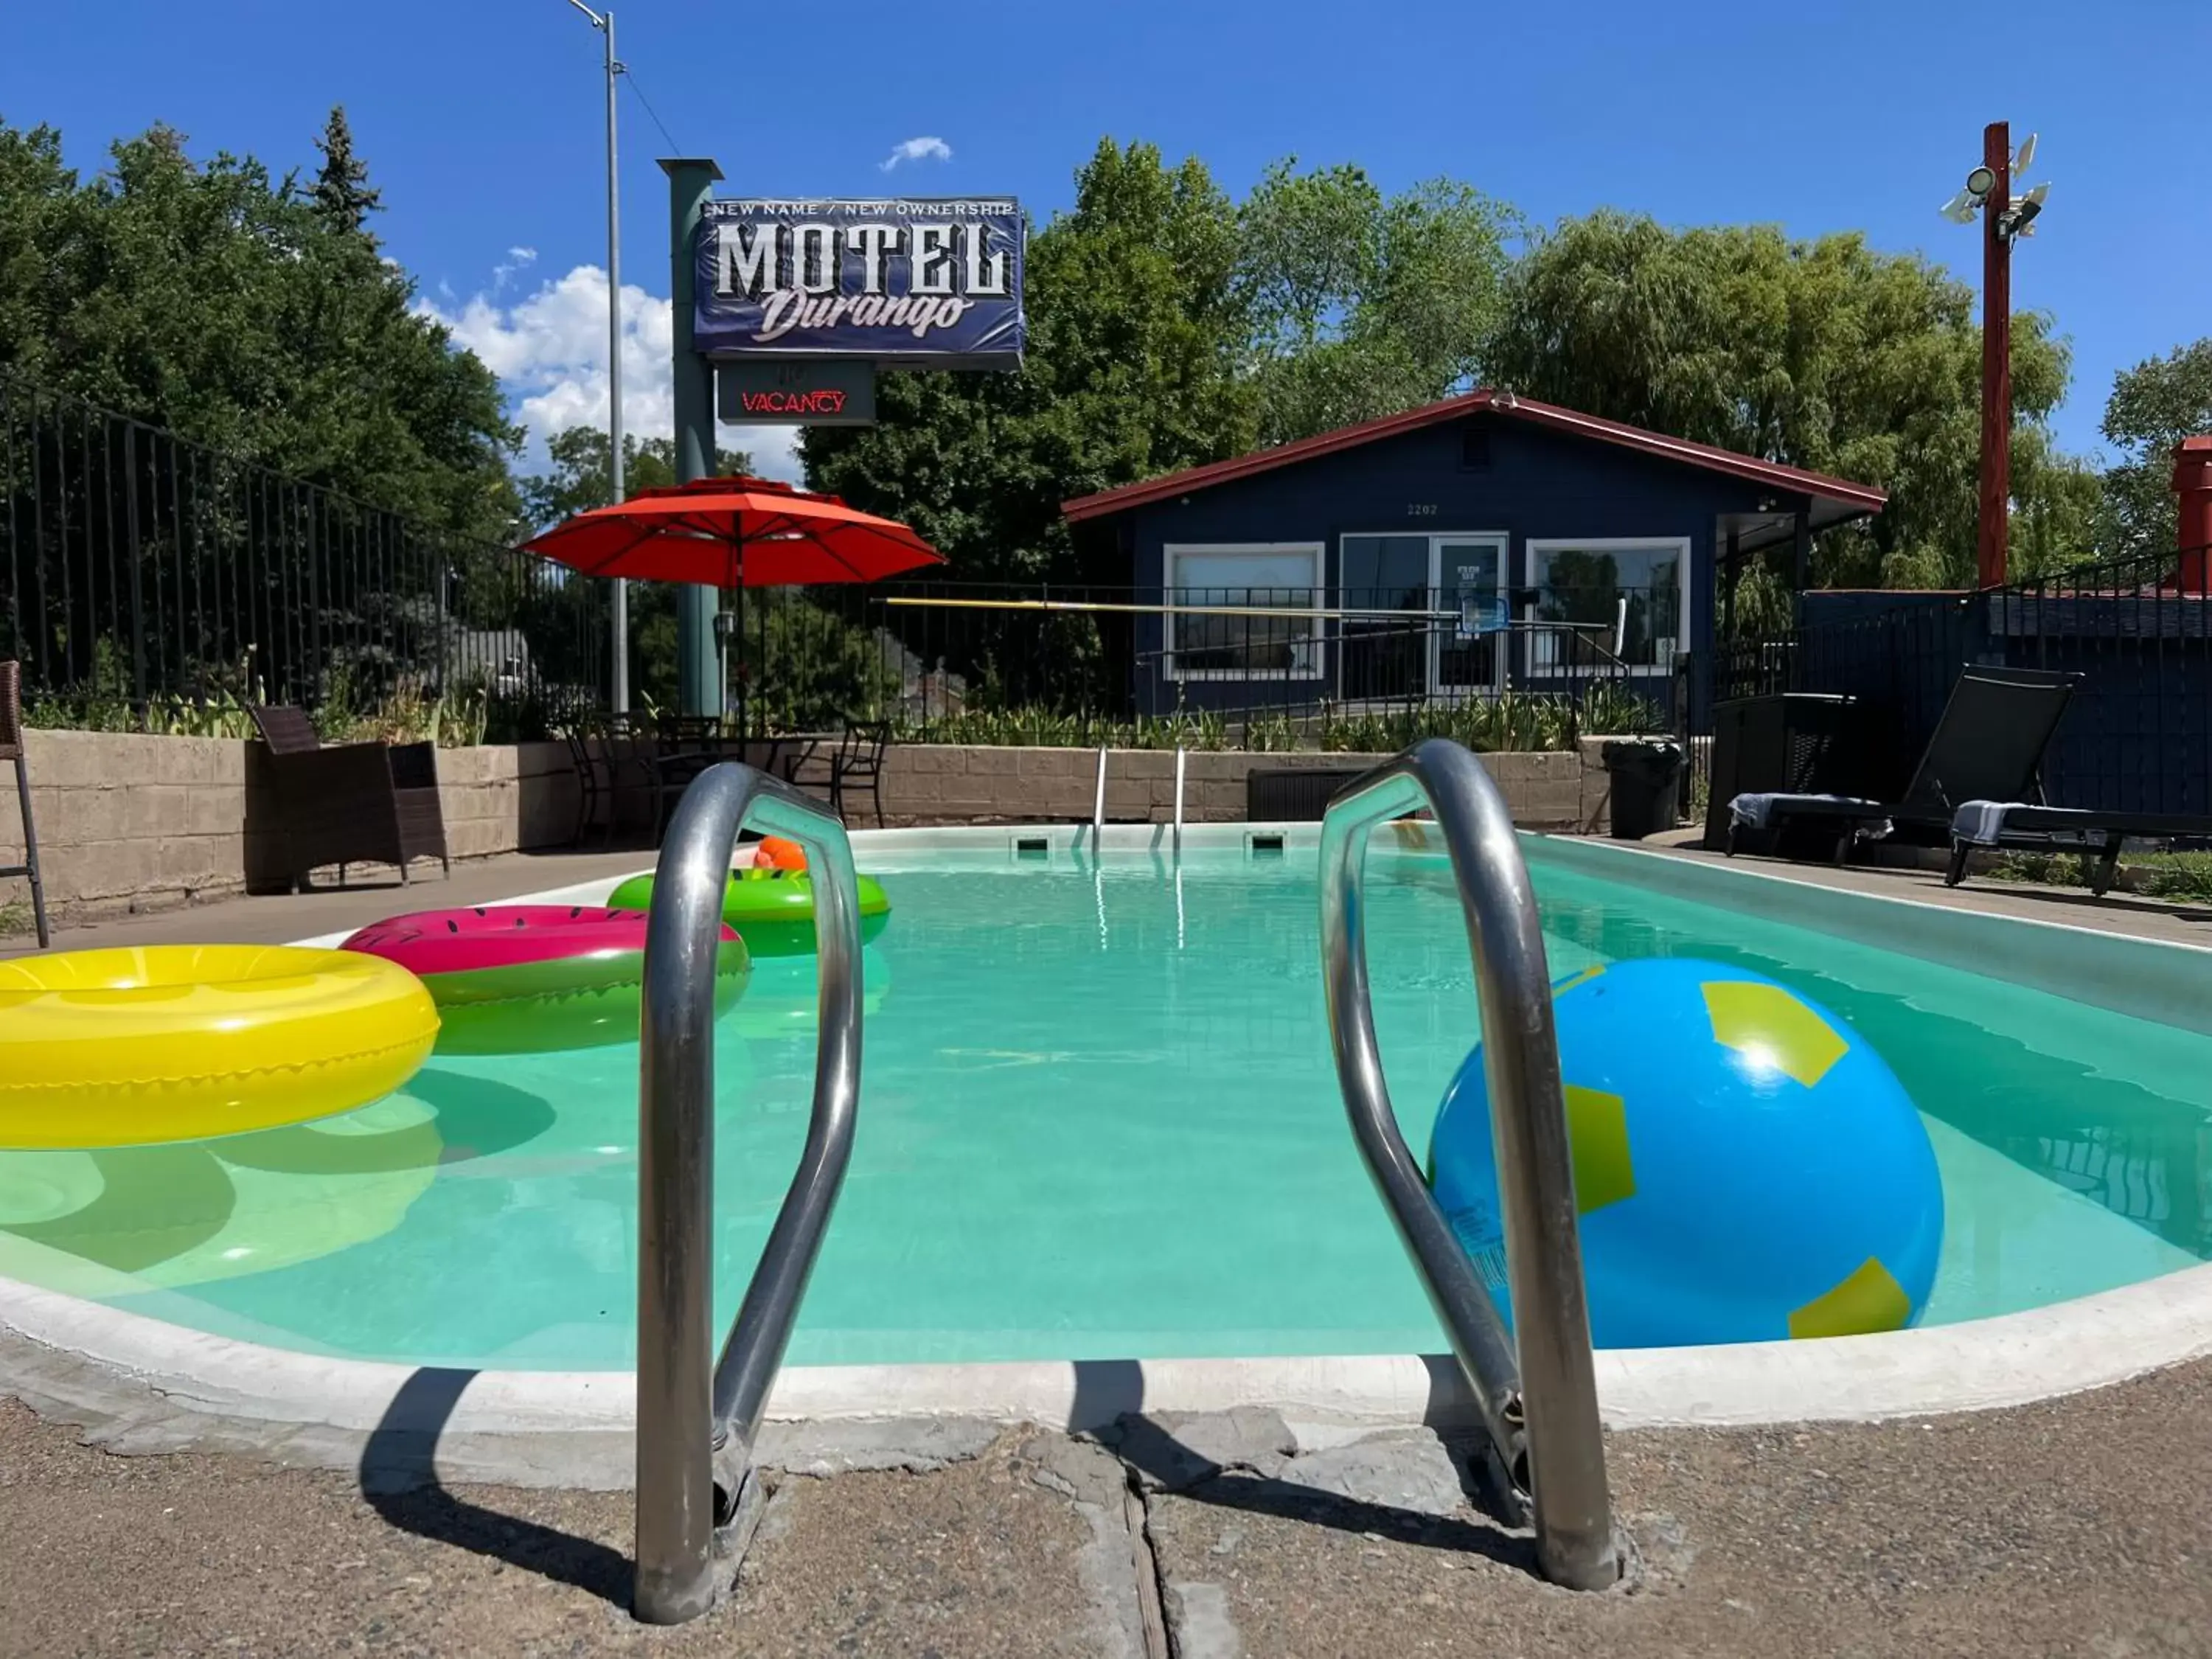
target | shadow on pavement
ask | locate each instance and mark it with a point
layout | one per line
(1108, 1404)
(399, 1481)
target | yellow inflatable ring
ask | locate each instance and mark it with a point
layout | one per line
(129, 1047)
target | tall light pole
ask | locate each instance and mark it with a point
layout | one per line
(1989, 193)
(618, 688)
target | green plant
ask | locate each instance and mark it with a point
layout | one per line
(1609, 708)
(2185, 875)
(1270, 734)
(14, 917)
(2178, 875)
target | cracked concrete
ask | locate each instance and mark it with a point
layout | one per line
(2072, 1527)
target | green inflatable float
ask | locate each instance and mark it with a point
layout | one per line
(772, 910)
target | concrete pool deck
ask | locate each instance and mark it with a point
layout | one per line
(2067, 1525)
(2168, 921)
(276, 918)
(2073, 1526)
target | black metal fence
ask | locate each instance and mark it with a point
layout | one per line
(139, 570)
(2137, 736)
(940, 655)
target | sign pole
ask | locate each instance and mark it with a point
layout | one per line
(618, 699)
(690, 181)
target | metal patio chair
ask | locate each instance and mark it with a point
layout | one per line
(860, 759)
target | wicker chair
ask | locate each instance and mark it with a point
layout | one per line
(357, 802)
(11, 749)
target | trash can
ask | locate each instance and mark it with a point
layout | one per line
(1644, 773)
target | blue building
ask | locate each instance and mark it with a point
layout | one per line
(1485, 543)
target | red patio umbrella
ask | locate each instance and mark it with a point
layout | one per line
(732, 532)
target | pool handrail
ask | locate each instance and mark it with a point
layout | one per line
(696, 1429)
(1537, 1392)
(1182, 756)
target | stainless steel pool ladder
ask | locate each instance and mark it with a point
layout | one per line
(696, 1427)
(1539, 1403)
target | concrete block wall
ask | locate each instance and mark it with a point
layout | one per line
(138, 824)
(932, 783)
(130, 823)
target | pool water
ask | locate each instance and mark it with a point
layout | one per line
(1099, 1120)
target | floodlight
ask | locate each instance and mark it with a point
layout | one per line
(2036, 196)
(1980, 182)
(2027, 154)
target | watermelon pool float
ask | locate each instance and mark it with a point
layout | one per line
(522, 978)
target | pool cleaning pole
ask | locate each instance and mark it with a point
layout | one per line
(1098, 805)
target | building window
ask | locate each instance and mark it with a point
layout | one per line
(1595, 600)
(1273, 575)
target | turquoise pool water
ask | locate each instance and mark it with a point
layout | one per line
(1099, 1120)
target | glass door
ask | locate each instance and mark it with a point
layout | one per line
(1385, 657)
(1467, 575)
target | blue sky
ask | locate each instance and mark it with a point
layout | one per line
(482, 123)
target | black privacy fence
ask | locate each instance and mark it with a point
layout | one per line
(145, 580)
(148, 583)
(2136, 632)
(1078, 663)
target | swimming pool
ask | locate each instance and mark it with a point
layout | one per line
(1098, 1121)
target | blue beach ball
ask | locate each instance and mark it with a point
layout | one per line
(1746, 1168)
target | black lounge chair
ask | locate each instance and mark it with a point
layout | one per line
(1988, 746)
(1987, 825)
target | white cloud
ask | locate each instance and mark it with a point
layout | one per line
(517, 259)
(918, 149)
(549, 350)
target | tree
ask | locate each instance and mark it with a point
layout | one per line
(1136, 332)
(1824, 354)
(1362, 306)
(2154, 406)
(208, 299)
(580, 479)
(341, 193)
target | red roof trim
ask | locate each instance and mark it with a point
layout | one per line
(1864, 497)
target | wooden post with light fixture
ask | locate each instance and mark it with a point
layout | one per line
(1992, 520)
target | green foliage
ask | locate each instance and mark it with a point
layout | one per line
(581, 478)
(1136, 334)
(403, 713)
(16, 917)
(1361, 305)
(2154, 406)
(806, 669)
(1515, 722)
(2185, 876)
(1825, 355)
(1032, 728)
(211, 299)
(1762, 603)
(342, 193)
